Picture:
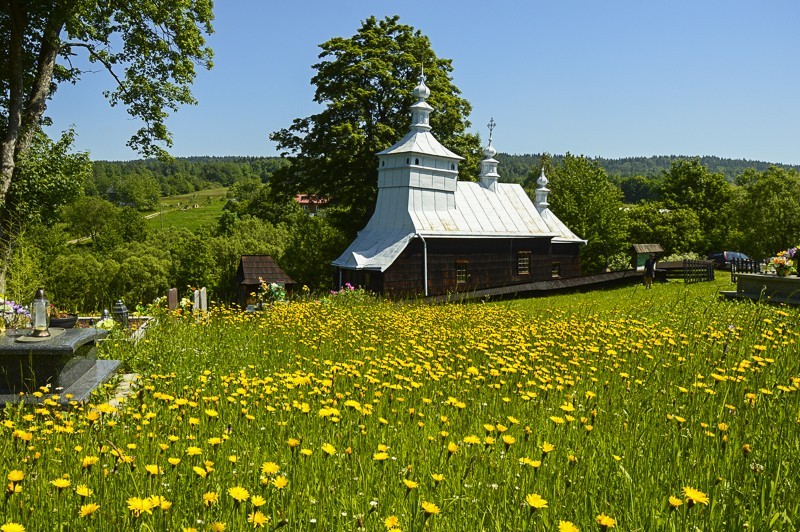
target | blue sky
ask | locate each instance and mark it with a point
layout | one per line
(609, 79)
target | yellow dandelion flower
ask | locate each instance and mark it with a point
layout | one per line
(535, 501)
(280, 482)
(694, 496)
(567, 526)
(306, 452)
(238, 493)
(410, 484)
(548, 447)
(258, 519)
(270, 468)
(452, 447)
(89, 461)
(173, 461)
(200, 471)
(217, 526)
(430, 508)
(605, 521)
(293, 442)
(139, 506)
(391, 522)
(11, 526)
(194, 451)
(381, 456)
(153, 469)
(60, 483)
(88, 509)
(674, 501)
(210, 498)
(437, 477)
(258, 500)
(16, 475)
(212, 413)
(508, 439)
(329, 449)
(83, 490)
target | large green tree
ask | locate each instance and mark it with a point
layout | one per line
(767, 211)
(151, 48)
(584, 198)
(689, 184)
(364, 84)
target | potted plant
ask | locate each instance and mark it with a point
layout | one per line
(61, 318)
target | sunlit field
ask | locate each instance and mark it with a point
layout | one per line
(629, 409)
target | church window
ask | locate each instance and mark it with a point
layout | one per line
(556, 270)
(452, 167)
(523, 262)
(407, 160)
(416, 161)
(461, 271)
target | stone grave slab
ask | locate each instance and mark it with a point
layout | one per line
(66, 360)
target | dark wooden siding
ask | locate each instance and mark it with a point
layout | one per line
(489, 262)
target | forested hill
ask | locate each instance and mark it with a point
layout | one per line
(188, 174)
(514, 168)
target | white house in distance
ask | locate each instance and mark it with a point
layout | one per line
(432, 234)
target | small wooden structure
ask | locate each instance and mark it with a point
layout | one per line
(252, 270)
(310, 203)
(640, 252)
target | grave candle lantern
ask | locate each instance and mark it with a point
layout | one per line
(40, 315)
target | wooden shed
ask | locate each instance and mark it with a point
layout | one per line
(640, 252)
(252, 270)
(433, 234)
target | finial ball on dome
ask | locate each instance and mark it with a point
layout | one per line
(489, 150)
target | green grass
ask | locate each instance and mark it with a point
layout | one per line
(640, 394)
(173, 214)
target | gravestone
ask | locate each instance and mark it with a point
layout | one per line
(196, 301)
(172, 298)
(66, 361)
(203, 300)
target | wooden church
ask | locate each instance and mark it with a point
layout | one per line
(432, 234)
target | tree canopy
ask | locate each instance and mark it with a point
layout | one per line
(589, 204)
(365, 84)
(150, 48)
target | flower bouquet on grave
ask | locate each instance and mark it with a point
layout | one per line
(13, 315)
(784, 262)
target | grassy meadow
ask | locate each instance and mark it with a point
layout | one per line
(665, 409)
(209, 207)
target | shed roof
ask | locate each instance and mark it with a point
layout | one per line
(647, 248)
(251, 267)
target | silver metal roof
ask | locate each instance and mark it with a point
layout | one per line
(427, 200)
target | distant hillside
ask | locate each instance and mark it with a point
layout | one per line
(514, 168)
(184, 174)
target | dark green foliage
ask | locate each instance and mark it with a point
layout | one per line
(677, 231)
(514, 168)
(365, 84)
(49, 176)
(689, 184)
(638, 188)
(181, 175)
(766, 209)
(313, 244)
(590, 205)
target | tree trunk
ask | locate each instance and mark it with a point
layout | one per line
(17, 15)
(23, 121)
